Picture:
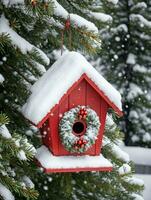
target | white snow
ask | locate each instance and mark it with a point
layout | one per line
(9, 3)
(141, 5)
(134, 91)
(113, 1)
(4, 132)
(134, 181)
(140, 68)
(131, 59)
(120, 28)
(1, 78)
(21, 155)
(75, 19)
(146, 137)
(28, 182)
(49, 89)
(147, 180)
(116, 150)
(59, 10)
(79, 21)
(18, 41)
(49, 161)
(5, 193)
(124, 169)
(138, 197)
(101, 16)
(120, 153)
(141, 19)
(139, 155)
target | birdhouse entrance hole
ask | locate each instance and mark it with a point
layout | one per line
(79, 128)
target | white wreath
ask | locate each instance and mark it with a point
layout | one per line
(69, 139)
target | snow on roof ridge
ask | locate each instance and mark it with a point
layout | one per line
(49, 89)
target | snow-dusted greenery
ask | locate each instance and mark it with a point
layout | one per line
(66, 129)
(125, 61)
(16, 155)
(25, 31)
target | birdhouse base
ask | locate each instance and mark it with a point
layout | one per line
(52, 164)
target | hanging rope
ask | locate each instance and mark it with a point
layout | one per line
(67, 27)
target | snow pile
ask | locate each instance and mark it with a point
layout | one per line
(146, 137)
(137, 197)
(49, 161)
(75, 19)
(49, 89)
(141, 5)
(59, 10)
(120, 154)
(21, 155)
(4, 132)
(18, 41)
(28, 182)
(131, 59)
(5, 193)
(120, 28)
(134, 91)
(1, 78)
(9, 3)
(79, 21)
(113, 1)
(136, 17)
(135, 181)
(140, 68)
(124, 169)
(101, 16)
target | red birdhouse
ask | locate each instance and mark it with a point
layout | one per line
(69, 104)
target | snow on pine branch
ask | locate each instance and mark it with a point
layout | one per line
(120, 154)
(113, 1)
(5, 193)
(9, 3)
(142, 19)
(141, 5)
(1, 78)
(4, 132)
(79, 21)
(75, 19)
(101, 16)
(18, 41)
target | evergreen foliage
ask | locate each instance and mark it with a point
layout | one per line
(30, 28)
(15, 158)
(125, 61)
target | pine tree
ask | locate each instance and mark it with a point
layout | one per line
(125, 62)
(28, 28)
(15, 156)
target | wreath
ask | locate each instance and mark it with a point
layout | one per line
(79, 128)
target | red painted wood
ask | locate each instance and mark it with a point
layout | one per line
(63, 107)
(103, 111)
(101, 93)
(53, 123)
(46, 136)
(77, 95)
(78, 169)
(93, 100)
(82, 92)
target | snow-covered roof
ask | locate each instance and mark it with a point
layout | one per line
(49, 89)
(50, 162)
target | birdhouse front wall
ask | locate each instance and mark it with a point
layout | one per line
(81, 93)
